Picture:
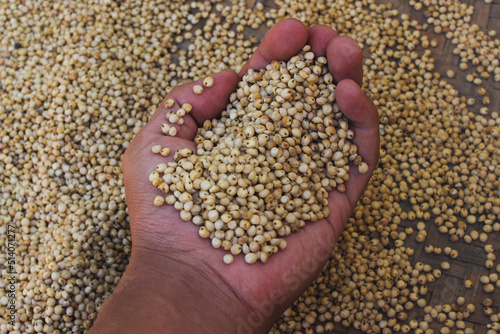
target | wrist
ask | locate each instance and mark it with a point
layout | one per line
(159, 295)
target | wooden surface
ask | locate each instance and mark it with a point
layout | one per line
(487, 17)
(470, 263)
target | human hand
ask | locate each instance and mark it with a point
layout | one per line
(175, 280)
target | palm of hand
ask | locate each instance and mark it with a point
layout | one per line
(262, 288)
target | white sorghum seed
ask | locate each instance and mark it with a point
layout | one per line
(165, 128)
(165, 151)
(172, 132)
(197, 89)
(204, 232)
(208, 82)
(174, 118)
(251, 258)
(187, 107)
(156, 149)
(228, 259)
(169, 103)
(363, 168)
(159, 200)
(445, 265)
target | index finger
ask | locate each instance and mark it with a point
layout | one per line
(345, 59)
(281, 42)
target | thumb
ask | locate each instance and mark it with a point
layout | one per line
(207, 105)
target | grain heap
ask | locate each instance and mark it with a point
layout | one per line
(266, 166)
(80, 78)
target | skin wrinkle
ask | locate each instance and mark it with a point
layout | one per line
(337, 233)
(220, 302)
(158, 238)
(311, 237)
(175, 256)
(230, 288)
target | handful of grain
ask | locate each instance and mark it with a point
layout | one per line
(266, 166)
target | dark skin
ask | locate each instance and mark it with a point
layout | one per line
(176, 282)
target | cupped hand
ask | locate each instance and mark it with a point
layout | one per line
(175, 273)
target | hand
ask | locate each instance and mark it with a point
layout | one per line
(175, 280)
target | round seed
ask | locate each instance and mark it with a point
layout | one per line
(208, 82)
(156, 149)
(159, 200)
(251, 258)
(197, 89)
(204, 232)
(363, 168)
(172, 132)
(174, 118)
(489, 288)
(228, 259)
(445, 265)
(165, 151)
(169, 103)
(187, 107)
